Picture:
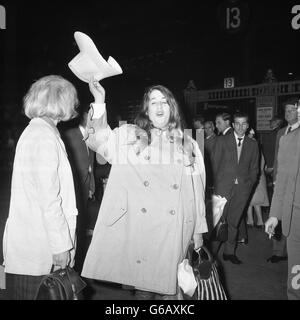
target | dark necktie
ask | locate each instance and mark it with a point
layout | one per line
(289, 130)
(240, 140)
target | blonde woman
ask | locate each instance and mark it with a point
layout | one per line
(40, 229)
(153, 205)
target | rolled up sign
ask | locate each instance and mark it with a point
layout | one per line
(89, 63)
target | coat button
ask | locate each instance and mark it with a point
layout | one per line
(180, 148)
(144, 210)
(146, 183)
(175, 186)
(172, 212)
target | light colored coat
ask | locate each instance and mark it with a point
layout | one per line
(152, 206)
(42, 213)
(287, 187)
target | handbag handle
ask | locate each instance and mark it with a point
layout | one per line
(53, 266)
(210, 258)
(190, 254)
(66, 269)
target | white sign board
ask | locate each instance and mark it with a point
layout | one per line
(228, 83)
(264, 112)
(2, 18)
(2, 277)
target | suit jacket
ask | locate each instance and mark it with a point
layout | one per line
(226, 167)
(268, 143)
(209, 145)
(80, 160)
(229, 131)
(287, 186)
(280, 133)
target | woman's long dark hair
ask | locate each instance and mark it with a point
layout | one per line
(142, 119)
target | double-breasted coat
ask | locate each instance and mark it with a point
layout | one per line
(152, 206)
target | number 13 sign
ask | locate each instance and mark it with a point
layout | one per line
(233, 16)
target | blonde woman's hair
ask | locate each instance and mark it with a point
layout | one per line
(51, 96)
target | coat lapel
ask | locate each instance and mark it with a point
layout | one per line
(82, 145)
(244, 148)
(232, 147)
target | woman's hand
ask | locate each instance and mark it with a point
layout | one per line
(198, 241)
(97, 91)
(61, 259)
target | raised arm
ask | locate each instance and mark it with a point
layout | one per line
(99, 136)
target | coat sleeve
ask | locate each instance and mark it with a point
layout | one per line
(199, 180)
(100, 137)
(275, 165)
(276, 209)
(46, 163)
(105, 141)
(98, 132)
(254, 165)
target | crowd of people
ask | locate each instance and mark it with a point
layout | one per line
(157, 180)
(247, 178)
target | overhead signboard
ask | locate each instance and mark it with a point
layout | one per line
(264, 112)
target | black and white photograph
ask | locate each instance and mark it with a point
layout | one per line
(150, 150)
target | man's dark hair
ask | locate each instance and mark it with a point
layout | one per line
(241, 115)
(199, 118)
(277, 118)
(292, 101)
(225, 116)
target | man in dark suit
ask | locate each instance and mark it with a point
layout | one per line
(236, 168)
(209, 144)
(268, 143)
(198, 133)
(290, 115)
(286, 205)
(223, 123)
(82, 164)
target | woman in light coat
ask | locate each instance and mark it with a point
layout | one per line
(153, 205)
(40, 228)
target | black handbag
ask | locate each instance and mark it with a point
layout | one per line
(209, 286)
(221, 230)
(62, 284)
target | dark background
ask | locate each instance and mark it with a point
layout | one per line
(166, 42)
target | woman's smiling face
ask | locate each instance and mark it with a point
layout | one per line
(158, 109)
